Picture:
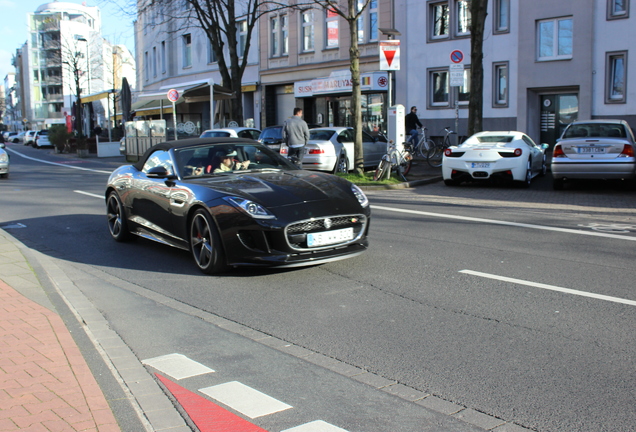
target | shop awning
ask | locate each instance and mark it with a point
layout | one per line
(95, 96)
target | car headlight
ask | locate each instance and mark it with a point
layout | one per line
(4, 157)
(253, 209)
(362, 198)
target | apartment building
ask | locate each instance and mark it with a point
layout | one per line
(59, 31)
(304, 60)
(546, 63)
(173, 53)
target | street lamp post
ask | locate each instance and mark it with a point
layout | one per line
(88, 65)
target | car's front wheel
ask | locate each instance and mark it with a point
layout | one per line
(205, 243)
(117, 224)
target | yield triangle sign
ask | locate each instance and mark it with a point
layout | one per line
(389, 54)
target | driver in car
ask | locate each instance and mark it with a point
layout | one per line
(228, 163)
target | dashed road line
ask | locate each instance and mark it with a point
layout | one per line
(507, 223)
(89, 194)
(551, 287)
(316, 426)
(177, 366)
(245, 399)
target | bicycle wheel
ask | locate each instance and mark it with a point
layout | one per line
(382, 170)
(434, 157)
(424, 147)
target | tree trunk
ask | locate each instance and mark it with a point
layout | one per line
(478, 10)
(356, 99)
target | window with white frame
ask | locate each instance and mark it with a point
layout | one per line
(187, 50)
(154, 61)
(617, 9)
(163, 56)
(241, 36)
(307, 33)
(463, 91)
(500, 85)
(331, 29)
(616, 76)
(462, 17)
(439, 87)
(211, 54)
(440, 20)
(368, 22)
(554, 39)
(501, 19)
(147, 65)
(274, 25)
(284, 32)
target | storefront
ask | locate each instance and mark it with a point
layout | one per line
(328, 101)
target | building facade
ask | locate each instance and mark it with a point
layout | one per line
(546, 63)
(304, 61)
(172, 54)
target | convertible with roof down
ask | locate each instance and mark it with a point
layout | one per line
(235, 202)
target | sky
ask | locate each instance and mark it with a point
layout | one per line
(117, 27)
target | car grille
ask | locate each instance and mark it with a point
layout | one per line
(296, 233)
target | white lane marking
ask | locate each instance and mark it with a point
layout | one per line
(177, 366)
(551, 287)
(59, 164)
(500, 222)
(89, 194)
(316, 426)
(244, 399)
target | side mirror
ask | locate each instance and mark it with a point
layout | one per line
(545, 146)
(2, 145)
(159, 172)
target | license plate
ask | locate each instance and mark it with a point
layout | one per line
(480, 165)
(591, 149)
(329, 237)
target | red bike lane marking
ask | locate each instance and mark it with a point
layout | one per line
(206, 415)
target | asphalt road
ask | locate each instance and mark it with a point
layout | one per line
(515, 303)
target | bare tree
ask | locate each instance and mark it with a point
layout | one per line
(351, 12)
(75, 62)
(478, 12)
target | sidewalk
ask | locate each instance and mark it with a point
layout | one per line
(45, 383)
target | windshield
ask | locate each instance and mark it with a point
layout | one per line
(320, 135)
(214, 134)
(495, 138)
(222, 159)
(603, 130)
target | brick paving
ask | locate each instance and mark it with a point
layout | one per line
(45, 383)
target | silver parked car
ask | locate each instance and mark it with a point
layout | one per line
(331, 149)
(594, 149)
(233, 132)
(4, 161)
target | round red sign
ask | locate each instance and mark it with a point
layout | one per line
(173, 95)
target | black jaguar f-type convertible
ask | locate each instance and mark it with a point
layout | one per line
(234, 202)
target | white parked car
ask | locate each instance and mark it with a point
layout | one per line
(232, 132)
(42, 139)
(331, 149)
(509, 155)
(29, 137)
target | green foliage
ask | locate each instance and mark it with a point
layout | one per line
(58, 136)
(367, 179)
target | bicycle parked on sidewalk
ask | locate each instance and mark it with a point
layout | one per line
(423, 145)
(435, 153)
(395, 159)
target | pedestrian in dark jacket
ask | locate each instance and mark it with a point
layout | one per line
(411, 122)
(296, 135)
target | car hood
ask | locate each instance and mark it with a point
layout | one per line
(281, 188)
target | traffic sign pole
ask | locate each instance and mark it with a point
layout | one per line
(456, 71)
(173, 96)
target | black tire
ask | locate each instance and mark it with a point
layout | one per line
(525, 183)
(342, 165)
(434, 157)
(117, 223)
(557, 184)
(205, 243)
(544, 167)
(383, 170)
